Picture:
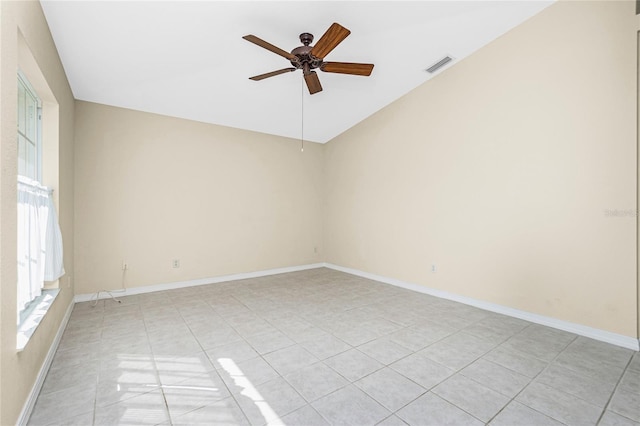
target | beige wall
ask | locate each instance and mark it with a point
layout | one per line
(150, 189)
(18, 370)
(499, 172)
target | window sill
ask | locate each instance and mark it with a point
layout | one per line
(32, 316)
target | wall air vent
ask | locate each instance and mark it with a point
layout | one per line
(441, 63)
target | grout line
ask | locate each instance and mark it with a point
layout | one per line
(604, 410)
(214, 367)
(155, 366)
(549, 363)
(95, 397)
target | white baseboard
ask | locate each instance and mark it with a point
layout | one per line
(191, 283)
(37, 386)
(582, 330)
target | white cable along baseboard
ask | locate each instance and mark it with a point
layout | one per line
(582, 330)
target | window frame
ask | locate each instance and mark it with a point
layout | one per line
(37, 143)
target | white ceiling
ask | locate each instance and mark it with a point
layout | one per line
(188, 59)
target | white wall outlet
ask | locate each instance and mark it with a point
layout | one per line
(176, 263)
(315, 249)
(434, 268)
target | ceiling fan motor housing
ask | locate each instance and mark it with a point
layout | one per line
(303, 53)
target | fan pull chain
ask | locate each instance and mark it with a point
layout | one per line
(302, 115)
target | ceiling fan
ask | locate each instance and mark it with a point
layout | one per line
(307, 58)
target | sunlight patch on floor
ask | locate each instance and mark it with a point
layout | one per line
(250, 391)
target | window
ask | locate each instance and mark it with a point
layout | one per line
(29, 131)
(39, 240)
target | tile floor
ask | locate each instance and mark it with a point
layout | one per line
(322, 347)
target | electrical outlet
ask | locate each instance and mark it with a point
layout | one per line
(176, 263)
(315, 250)
(434, 269)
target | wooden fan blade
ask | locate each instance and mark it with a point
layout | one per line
(255, 40)
(271, 74)
(313, 82)
(329, 40)
(347, 68)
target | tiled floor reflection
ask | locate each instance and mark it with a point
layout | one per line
(322, 347)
